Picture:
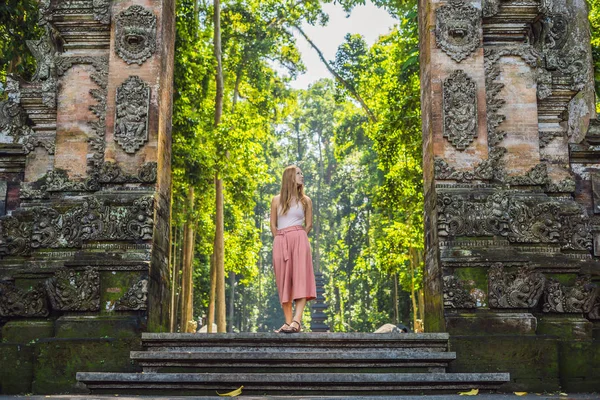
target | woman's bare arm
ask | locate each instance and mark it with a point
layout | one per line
(274, 205)
(308, 216)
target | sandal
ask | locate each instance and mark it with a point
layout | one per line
(293, 329)
(285, 328)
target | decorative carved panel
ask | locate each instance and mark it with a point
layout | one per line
(135, 34)
(520, 219)
(44, 227)
(70, 290)
(136, 297)
(578, 298)
(522, 289)
(460, 110)
(132, 107)
(457, 28)
(456, 295)
(15, 302)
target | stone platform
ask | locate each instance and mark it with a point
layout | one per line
(294, 364)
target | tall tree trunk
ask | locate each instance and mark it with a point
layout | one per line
(231, 300)
(219, 250)
(184, 273)
(413, 264)
(211, 298)
(179, 279)
(220, 308)
(396, 311)
(317, 250)
(174, 276)
(188, 254)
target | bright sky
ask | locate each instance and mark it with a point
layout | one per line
(367, 20)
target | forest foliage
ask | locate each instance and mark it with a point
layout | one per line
(362, 160)
(357, 137)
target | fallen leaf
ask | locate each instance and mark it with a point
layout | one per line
(562, 394)
(520, 393)
(233, 393)
(472, 392)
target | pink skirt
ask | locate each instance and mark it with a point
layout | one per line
(292, 261)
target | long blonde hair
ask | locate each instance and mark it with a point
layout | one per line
(290, 190)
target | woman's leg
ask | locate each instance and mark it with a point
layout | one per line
(300, 303)
(287, 312)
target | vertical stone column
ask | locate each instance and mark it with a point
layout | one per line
(507, 96)
(87, 197)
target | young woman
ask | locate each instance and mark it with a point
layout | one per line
(291, 221)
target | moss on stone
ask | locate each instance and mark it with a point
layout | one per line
(56, 361)
(98, 326)
(531, 361)
(16, 368)
(580, 366)
(24, 331)
(114, 285)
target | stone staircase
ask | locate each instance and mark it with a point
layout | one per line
(336, 364)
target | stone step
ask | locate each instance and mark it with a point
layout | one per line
(315, 340)
(289, 384)
(284, 358)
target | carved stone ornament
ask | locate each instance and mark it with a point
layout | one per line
(135, 34)
(522, 289)
(92, 220)
(595, 309)
(578, 298)
(520, 219)
(112, 173)
(136, 297)
(71, 290)
(131, 122)
(489, 169)
(460, 110)
(457, 29)
(16, 302)
(455, 295)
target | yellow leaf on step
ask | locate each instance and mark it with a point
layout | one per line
(521, 393)
(472, 392)
(233, 393)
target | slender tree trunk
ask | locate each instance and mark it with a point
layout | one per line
(174, 276)
(219, 249)
(184, 287)
(188, 254)
(179, 278)
(220, 308)
(231, 300)
(396, 310)
(413, 297)
(211, 299)
(317, 250)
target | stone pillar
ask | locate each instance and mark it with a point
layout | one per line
(85, 177)
(507, 96)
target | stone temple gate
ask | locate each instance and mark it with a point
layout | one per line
(512, 188)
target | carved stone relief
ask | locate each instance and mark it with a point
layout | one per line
(489, 169)
(460, 110)
(16, 302)
(102, 11)
(70, 290)
(44, 227)
(112, 173)
(522, 289)
(136, 297)
(131, 121)
(455, 294)
(578, 298)
(596, 192)
(520, 219)
(457, 29)
(135, 34)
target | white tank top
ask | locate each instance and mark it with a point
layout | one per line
(294, 216)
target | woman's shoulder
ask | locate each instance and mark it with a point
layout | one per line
(308, 199)
(275, 199)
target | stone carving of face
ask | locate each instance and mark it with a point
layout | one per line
(135, 34)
